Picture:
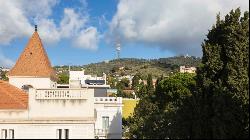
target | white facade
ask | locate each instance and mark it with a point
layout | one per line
(110, 108)
(50, 110)
(47, 130)
(184, 69)
(35, 82)
(80, 75)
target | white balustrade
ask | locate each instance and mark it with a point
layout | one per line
(61, 94)
(108, 100)
(101, 132)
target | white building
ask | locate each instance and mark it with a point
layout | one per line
(87, 79)
(184, 69)
(31, 105)
(4, 69)
(99, 84)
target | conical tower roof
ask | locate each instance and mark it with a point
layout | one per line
(33, 61)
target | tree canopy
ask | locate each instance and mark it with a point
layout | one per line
(214, 103)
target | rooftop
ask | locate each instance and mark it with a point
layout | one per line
(33, 61)
(12, 97)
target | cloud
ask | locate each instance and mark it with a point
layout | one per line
(19, 16)
(88, 39)
(13, 23)
(178, 26)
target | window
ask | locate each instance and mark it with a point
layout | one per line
(63, 133)
(4, 134)
(26, 87)
(11, 134)
(59, 133)
(105, 122)
(66, 133)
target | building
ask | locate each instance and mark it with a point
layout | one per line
(87, 79)
(99, 84)
(184, 69)
(32, 106)
(4, 69)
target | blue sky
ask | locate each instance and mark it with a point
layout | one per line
(85, 31)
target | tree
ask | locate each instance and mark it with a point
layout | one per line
(156, 115)
(138, 128)
(223, 96)
(135, 81)
(111, 81)
(63, 79)
(3, 75)
(125, 82)
(159, 79)
(173, 98)
(150, 86)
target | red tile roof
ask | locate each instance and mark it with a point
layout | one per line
(33, 61)
(12, 97)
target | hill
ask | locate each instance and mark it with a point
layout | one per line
(131, 66)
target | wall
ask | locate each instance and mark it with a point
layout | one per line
(49, 131)
(33, 81)
(13, 114)
(44, 116)
(112, 109)
(55, 108)
(62, 108)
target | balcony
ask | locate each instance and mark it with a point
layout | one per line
(101, 133)
(61, 94)
(108, 100)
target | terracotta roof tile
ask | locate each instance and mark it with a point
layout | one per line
(33, 61)
(12, 97)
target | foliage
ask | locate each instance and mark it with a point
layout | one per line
(132, 66)
(3, 75)
(150, 86)
(215, 103)
(135, 81)
(142, 90)
(63, 78)
(111, 81)
(223, 98)
(155, 114)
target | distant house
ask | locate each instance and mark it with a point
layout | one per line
(4, 69)
(184, 69)
(145, 82)
(129, 77)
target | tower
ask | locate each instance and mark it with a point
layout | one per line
(118, 48)
(33, 67)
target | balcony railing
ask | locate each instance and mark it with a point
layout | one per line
(101, 132)
(61, 94)
(108, 100)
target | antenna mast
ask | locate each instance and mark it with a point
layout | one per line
(118, 48)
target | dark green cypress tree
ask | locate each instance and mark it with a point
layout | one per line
(135, 81)
(222, 103)
(150, 86)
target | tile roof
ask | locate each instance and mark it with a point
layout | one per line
(12, 97)
(33, 61)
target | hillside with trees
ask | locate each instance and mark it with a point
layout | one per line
(131, 66)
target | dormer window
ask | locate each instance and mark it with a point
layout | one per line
(26, 87)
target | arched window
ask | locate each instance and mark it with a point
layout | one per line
(26, 87)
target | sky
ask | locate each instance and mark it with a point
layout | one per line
(79, 32)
